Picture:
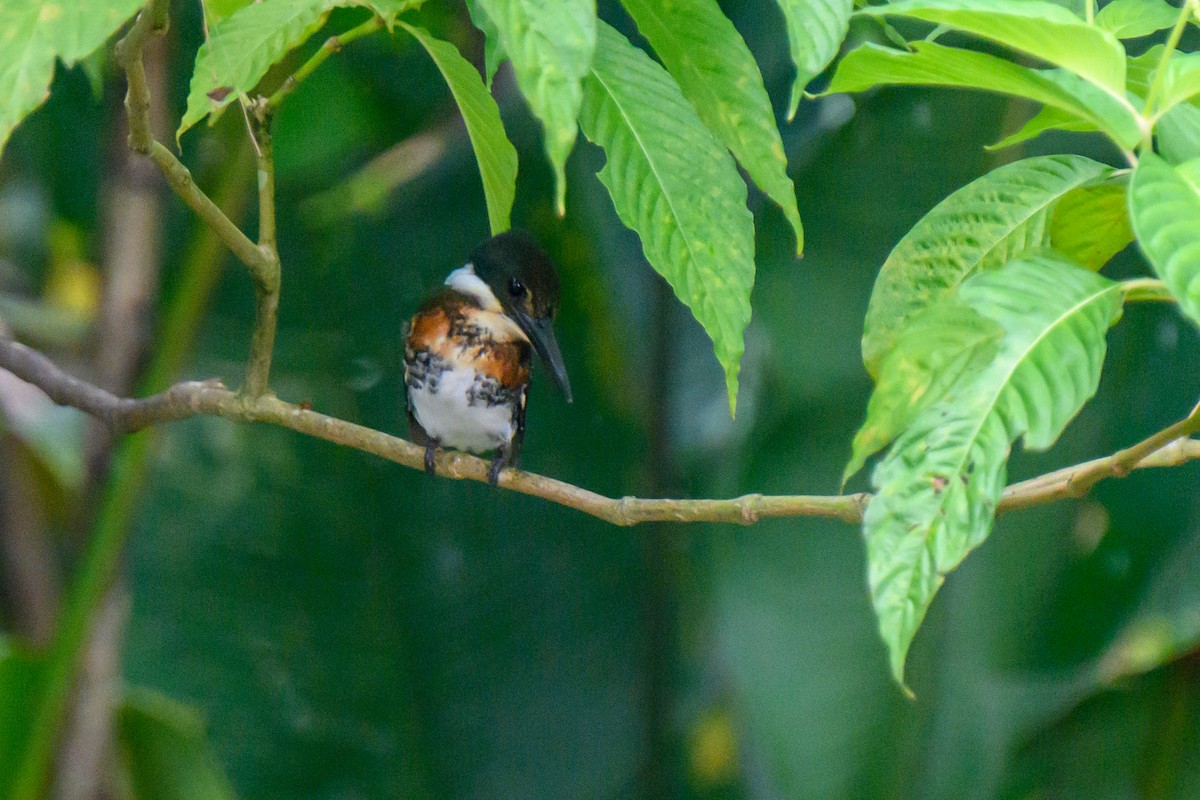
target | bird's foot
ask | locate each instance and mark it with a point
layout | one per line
(430, 449)
(502, 459)
(498, 464)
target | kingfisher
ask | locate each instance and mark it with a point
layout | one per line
(467, 351)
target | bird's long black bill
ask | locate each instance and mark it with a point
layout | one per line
(542, 335)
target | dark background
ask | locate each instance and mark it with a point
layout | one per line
(352, 629)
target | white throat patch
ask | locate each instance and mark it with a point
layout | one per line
(466, 281)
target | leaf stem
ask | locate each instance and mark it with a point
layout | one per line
(1089, 11)
(1189, 7)
(327, 48)
(1143, 290)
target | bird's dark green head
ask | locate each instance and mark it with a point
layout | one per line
(524, 281)
(519, 273)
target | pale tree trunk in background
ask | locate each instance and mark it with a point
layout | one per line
(132, 221)
(28, 571)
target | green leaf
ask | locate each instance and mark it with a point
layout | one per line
(931, 64)
(938, 487)
(217, 10)
(1180, 82)
(1090, 224)
(1048, 119)
(1040, 29)
(493, 51)
(243, 46)
(981, 226)
(675, 185)
(1129, 19)
(550, 43)
(389, 10)
(72, 28)
(1076, 7)
(815, 29)
(1139, 70)
(34, 34)
(1177, 92)
(708, 58)
(20, 676)
(165, 752)
(935, 500)
(937, 347)
(1175, 105)
(495, 154)
(1164, 205)
(1177, 134)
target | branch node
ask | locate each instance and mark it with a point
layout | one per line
(747, 506)
(623, 513)
(859, 508)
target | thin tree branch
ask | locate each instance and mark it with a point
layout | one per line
(137, 103)
(330, 46)
(120, 414)
(266, 284)
(128, 52)
(1169, 447)
(262, 259)
(179, 178)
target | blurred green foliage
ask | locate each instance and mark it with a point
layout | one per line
(349, 629)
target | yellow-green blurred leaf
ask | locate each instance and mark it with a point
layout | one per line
(34, 34)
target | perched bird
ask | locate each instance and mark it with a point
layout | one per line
(467, 351)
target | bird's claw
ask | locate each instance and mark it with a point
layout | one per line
(502, 459)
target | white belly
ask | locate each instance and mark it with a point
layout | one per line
(448, 416)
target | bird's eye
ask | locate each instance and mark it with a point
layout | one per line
(516, 288)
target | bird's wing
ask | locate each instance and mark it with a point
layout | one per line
(518, 424)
